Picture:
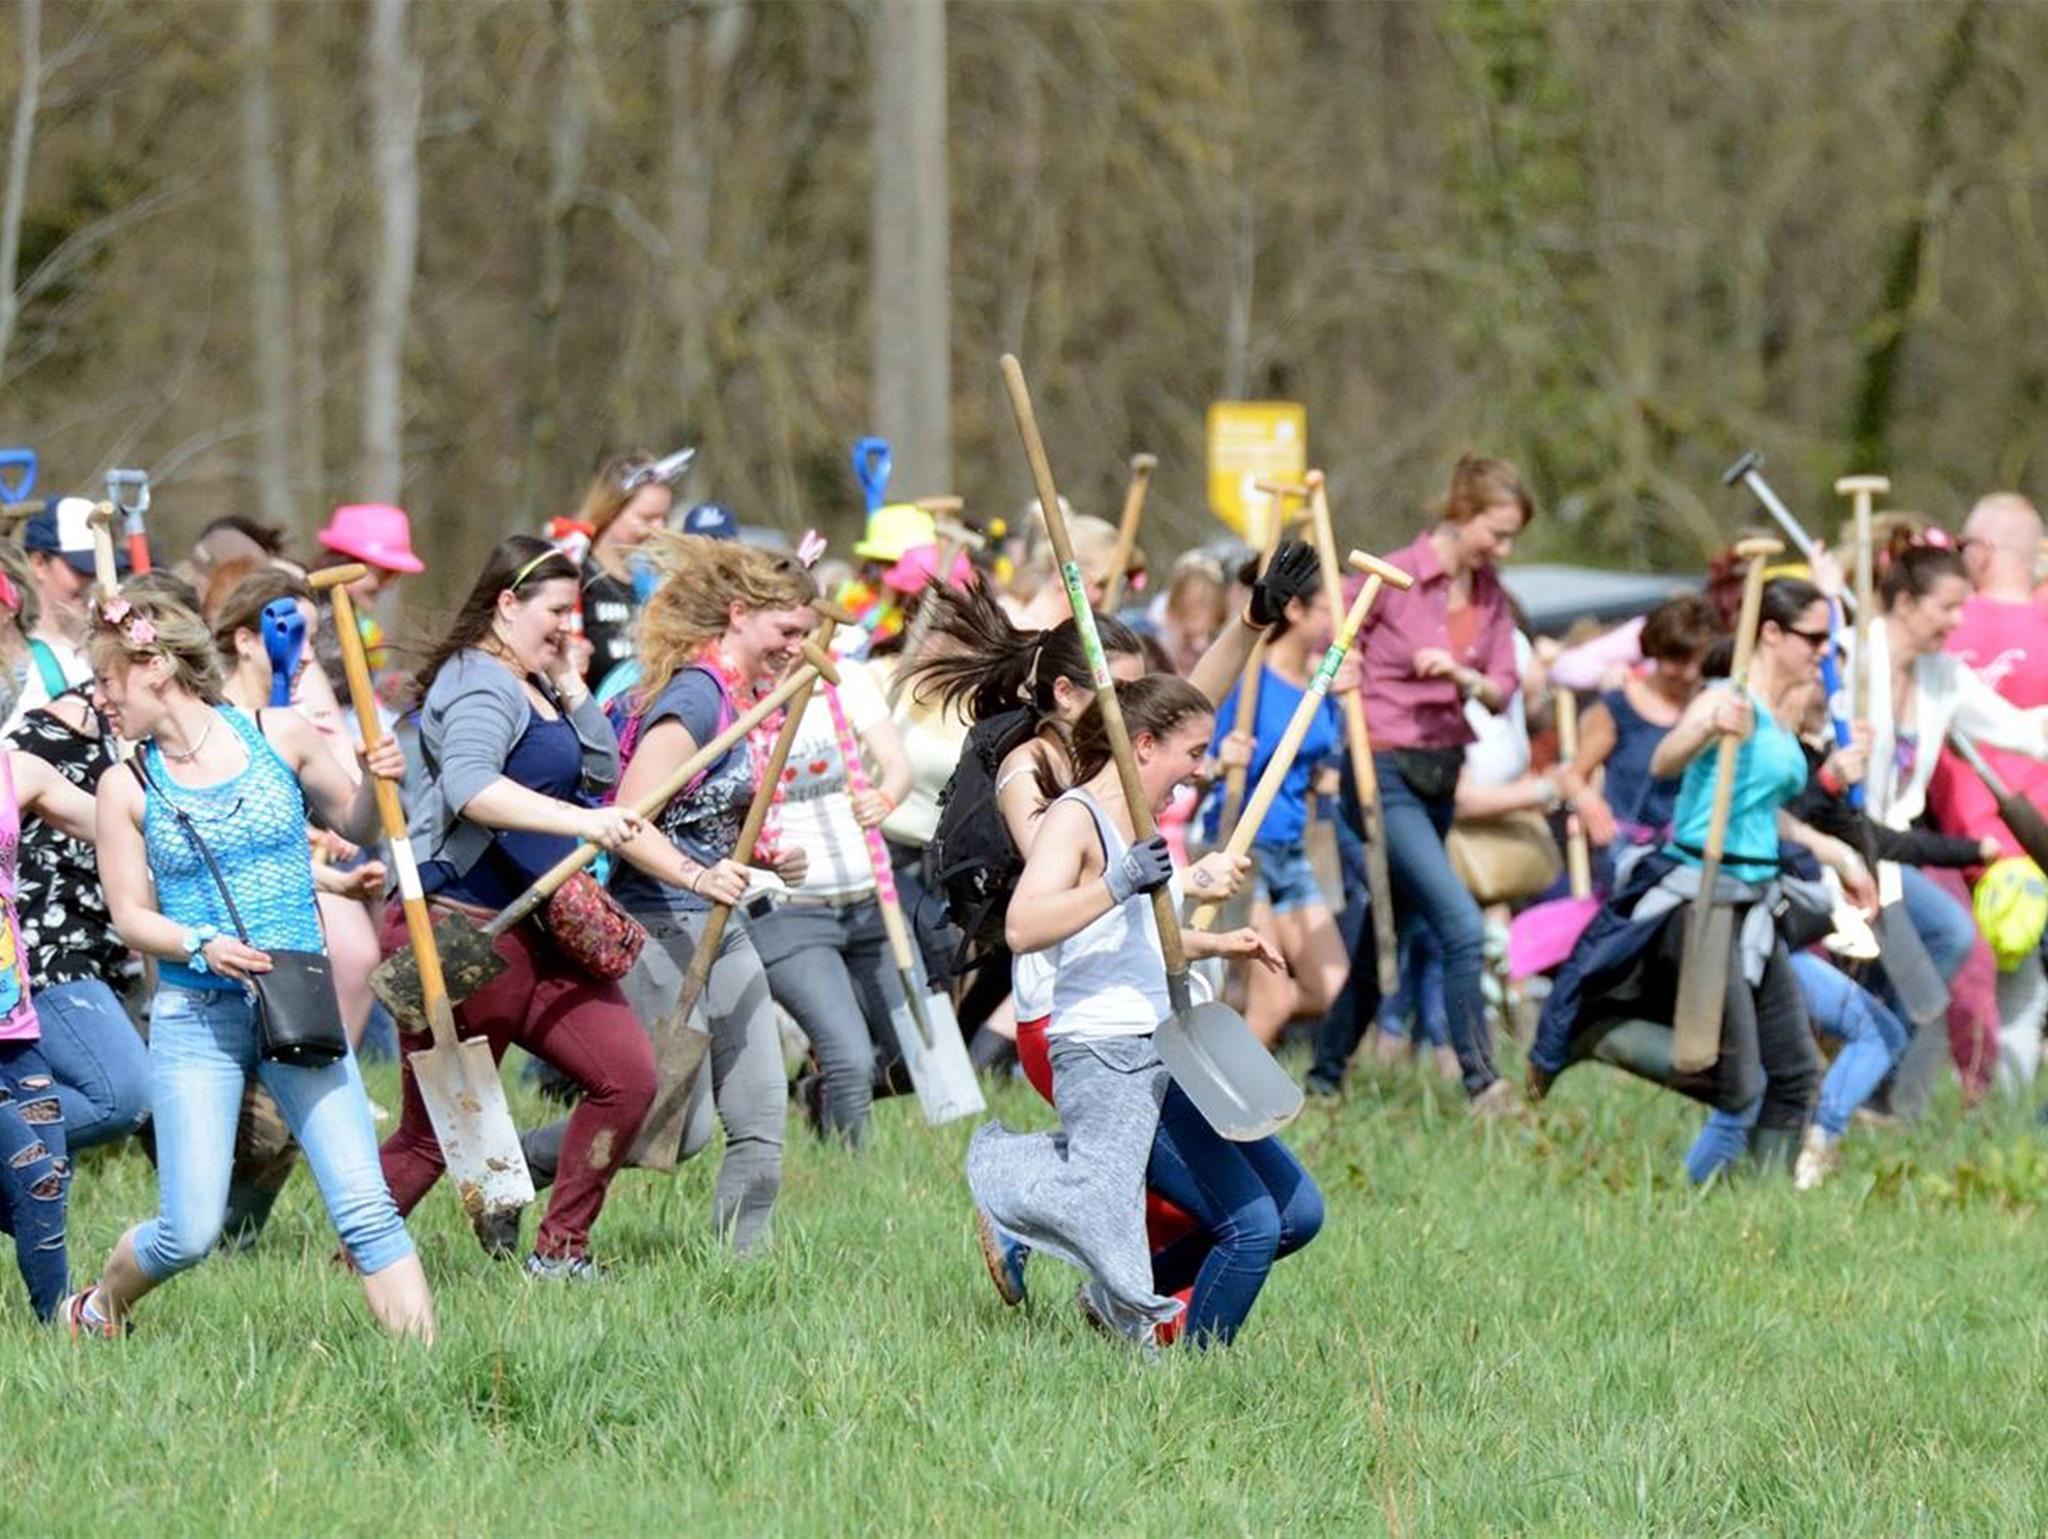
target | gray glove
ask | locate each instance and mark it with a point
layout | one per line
(1145, 868)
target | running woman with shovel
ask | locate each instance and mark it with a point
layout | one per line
(202, 852)
(517, 751)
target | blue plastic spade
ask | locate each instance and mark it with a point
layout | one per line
(871, 469)
(17, 474)
(284, 637)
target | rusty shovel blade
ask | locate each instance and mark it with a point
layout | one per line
(469, 960)
(465, 1100)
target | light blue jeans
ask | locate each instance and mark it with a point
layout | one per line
(202, 1049)
(1872, 1038)
(99, 1059)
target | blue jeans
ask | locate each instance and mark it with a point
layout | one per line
(1419, 1001)
(202, 1049)
(1426, 888)
(1871, 1035)
(35, 1174)
(1254, 1203)
(99, 1059)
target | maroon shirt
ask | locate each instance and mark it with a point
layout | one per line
(1402, 711)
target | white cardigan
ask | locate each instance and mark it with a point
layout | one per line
(1952, 696)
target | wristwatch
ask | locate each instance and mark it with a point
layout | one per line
(195, 946)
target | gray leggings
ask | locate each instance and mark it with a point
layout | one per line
(745, 1087)
(831, 969)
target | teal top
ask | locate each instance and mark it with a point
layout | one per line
(254, 822)
(1770, 771)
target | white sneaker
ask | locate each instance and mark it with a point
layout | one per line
(1819, 1157)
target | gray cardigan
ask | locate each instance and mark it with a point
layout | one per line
(473, 715)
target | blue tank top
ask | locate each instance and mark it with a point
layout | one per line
(254, 822)
(1642, 804)
(548, 758)
(1770, 770)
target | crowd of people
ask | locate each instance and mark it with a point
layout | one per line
(188, 812)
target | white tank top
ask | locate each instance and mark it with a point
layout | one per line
(1110, 979)
(1030, 972)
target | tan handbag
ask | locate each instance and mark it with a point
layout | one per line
(1507, 859)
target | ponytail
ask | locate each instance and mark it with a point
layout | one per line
(974, 654)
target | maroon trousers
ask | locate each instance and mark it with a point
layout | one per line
(563, 1017)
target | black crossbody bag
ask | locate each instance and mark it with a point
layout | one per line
(298, 1018)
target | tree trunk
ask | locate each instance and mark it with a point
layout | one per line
(698, 49)
(908, 239)
(312, 252)
(270, 305)
(18, 153)
(394, 86)
(566, 145)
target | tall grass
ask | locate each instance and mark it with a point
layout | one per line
(1513, 1329)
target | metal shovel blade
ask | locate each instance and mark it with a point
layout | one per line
(469, 960)
(1233, 1081)
(934, 1052)
(1911, 970)
(1702, 989)
(681, 1045)
(473, 1124)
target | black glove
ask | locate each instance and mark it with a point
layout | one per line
(1293, 571)
(1145, 868)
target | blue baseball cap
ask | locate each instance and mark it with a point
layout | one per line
(713, 520)
(62, 530)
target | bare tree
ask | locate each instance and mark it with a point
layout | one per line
(270, 350)
(393, 86)
(18, 155)
(567, 143)
(913, 382)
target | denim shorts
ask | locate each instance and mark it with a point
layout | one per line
(1286, 879)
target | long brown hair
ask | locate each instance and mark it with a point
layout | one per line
(606, 496)
(700, 580)
(241, 607)
(994, 666)
(520, 564)
(1157, 704)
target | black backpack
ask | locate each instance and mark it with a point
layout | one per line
(971, 861)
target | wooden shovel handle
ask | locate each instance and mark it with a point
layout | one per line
(1578, 856)
(1282, 761)
(806, 674)
(1142, 466)
(1758, 552)
(419, 926)
(1106, 701)
(106, 571)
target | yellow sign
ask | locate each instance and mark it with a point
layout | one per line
(1248, 440)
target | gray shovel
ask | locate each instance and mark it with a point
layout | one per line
(927, 1033)
(1209, 1050)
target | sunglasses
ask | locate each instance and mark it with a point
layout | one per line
(1818, 640)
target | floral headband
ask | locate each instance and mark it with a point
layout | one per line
(126, 621)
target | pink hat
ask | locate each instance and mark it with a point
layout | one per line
(373, 532)
(918, 566)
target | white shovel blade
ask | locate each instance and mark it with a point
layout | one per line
(1233, 1081)
(947, 1086)
(466, 1103)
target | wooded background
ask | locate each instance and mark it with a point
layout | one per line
(455, 251)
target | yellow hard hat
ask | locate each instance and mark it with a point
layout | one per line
(894, 530)
(2011, 905)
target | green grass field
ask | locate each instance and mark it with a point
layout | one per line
(1515, 1329)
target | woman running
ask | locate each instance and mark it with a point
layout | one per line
(1920, 692)
(726, 619)
(208, 780)
(824, 945)
(1080, 1193)
(1765, 1077)
(35, 1151)
(625, 503)
(1426, 652)
(1289, 908)
(517, 749)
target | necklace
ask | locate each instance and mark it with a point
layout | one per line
(198, 744)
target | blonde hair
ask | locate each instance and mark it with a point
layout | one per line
(606, 497)
(1094, 541)
(175, 632)
(700, 580)
(14, 562)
